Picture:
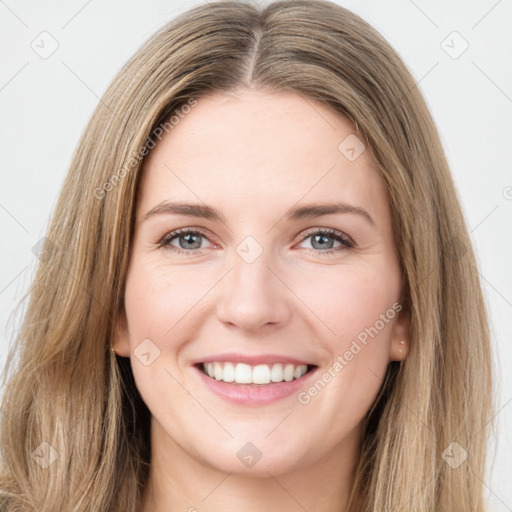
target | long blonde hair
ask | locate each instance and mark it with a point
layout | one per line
(66, 388)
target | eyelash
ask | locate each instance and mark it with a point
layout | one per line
(346, 241)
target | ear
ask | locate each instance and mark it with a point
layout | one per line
(121, 341)
(400, 336)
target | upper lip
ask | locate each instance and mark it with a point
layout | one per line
(252, 360)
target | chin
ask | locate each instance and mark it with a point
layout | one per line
(255, 459)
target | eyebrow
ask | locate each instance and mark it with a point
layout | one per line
(296, 213)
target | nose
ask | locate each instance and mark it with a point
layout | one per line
(254, 296)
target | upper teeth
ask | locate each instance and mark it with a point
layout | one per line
(260, 374)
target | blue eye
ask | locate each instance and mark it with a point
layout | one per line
(186, 237)
(189, 241)
(320, 236)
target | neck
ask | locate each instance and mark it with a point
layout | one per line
(178, 482)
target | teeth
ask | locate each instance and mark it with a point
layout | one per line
(276, 374)
(228, 374)
(243, 374)
(260, 374)
(288, 372)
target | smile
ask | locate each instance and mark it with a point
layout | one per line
(241, 373)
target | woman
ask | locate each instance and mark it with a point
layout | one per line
(322, 345)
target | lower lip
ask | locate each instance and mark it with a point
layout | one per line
(255, 394)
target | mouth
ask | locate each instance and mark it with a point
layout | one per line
(254, 375)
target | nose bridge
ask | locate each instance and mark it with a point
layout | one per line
(252, 294)
(251, 273)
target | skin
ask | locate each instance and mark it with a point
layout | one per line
(253, 155)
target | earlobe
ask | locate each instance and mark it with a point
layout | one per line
(121, 341)
(400, 340)
(400, 353)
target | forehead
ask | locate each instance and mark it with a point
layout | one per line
(252, 148)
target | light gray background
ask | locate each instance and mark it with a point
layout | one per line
(45, 104)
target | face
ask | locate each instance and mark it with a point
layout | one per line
(256, 284)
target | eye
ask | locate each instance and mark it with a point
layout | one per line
(189, 241)
(321, 244)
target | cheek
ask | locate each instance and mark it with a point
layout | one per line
(159, 307)
(361, 315)
(346, 302)
(158, 299)
(359, 308)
